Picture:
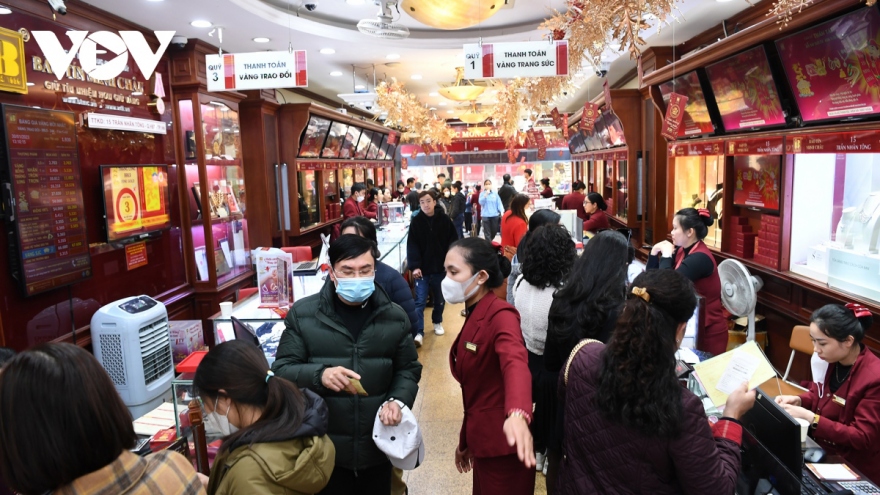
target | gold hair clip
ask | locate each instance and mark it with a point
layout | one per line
(643, 293)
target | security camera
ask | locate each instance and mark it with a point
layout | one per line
(58, 6)
(179, 41)
(368, 106)
(311, 6)
(602, 69)
(601, 73)
(565, 93)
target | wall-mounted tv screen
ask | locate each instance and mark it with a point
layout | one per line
(392, 148)
(696, 119)
(313, 137)
(576, 143)
(49, 247)
(757, 181)
(374, 145)
(834, 68)
(363, 146)
(335, 137)
(601, 133)
(383, 148)
(351, 138)
(745, 91)
(136, 200)
(615, 129)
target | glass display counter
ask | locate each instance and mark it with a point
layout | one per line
(698, 178)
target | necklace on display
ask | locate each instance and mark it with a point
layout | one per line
(863, 216)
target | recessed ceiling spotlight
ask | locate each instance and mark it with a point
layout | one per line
(5, 10)
(261, 40)
(434, 94)
(355, 2)
(328, 51)
(392, 56)
(336, 73)
(450, 111)
(416, 76)
(433, 109)
(359, 86)
(201, 24)
(442, 103)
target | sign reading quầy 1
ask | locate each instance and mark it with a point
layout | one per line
(115, 122)
(257, 70)
(525, 59)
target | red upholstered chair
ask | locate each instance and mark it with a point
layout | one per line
(299, 253)
(246, 292)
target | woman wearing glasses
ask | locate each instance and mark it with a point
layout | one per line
(688, 255)
(595, 207)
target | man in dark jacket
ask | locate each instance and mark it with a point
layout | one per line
(430, 234)
(352, 331)
(506, 192)
(456, 212)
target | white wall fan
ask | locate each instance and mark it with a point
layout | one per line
(739, 291)
(384, 26)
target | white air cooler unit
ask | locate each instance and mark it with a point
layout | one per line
(131, 339)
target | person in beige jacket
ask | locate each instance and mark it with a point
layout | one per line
(276, 435)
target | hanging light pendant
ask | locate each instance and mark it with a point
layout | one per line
(451, 14)
(462, 90)
(474, 116)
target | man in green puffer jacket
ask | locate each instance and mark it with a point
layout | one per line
(352, 330)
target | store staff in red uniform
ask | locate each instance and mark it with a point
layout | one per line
(353, 206)
(575, 199)
(844, 411)
(489, 360)
(688, 255)
(595, 207)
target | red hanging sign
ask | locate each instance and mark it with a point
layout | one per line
(674, 115)
(554, 114)
(530, 134)
(565, 126)
(591, 112)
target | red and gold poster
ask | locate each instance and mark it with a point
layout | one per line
(745, 92)
(591, 112)
(674, 115)
(136, 200)
(136, 255)
(757, 181)
(834, 68)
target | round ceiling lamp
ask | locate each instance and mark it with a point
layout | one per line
(451, 14)
(474, 116)
(461, 90)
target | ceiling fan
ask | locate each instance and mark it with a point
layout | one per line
(384, 27)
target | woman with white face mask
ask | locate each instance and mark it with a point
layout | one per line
(267, 423)
(489, 360)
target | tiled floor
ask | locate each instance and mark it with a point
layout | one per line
(439, 411)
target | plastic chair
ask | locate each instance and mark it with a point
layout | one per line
(246, 293)
(800, 342)
(299, 253)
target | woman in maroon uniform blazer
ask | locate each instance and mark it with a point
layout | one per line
(595, 207)
(693, 259)
(843, 411)
(489, 360)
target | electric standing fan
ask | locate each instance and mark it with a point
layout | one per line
(739, 291)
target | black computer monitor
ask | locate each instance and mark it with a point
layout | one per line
(759, 466)
(243, 331)
(776, 430)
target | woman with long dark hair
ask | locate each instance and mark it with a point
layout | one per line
(270, 426)
(514, 224)
(489, 360)
(585, 308)
(538, 219)
(551, 256)
(595, 208)
(844, 414)
(547, 192)
(687, 254)
(64, 429)
(630, 427)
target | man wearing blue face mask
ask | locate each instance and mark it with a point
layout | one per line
(352, 331)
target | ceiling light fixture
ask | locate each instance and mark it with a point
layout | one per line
(201, 24)
(450, 111)
(416, 76)
(392, 56)
(355, 2)
(461, 90)
(336, 73)
(474, 116)
(328, 51)
(5, 10)
(442, 103)
(450, 14)
(261, 40)
(434, 94)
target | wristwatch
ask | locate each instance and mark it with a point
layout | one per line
(815, 422)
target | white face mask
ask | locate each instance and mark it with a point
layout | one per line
(819, 367)
(446, 193)
(453, 291)
(359, 199)
(221, 422)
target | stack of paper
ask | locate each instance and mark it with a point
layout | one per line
(723, 374)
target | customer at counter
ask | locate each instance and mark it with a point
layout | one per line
(844, 410)
(547, 192)
(688, 255)
(351, 331)
(575, 200)
(594, 206)
(371, 205)
(353, 206)
(65, 430)
(275, 436)
(630, 427)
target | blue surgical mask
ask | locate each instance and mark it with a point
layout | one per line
(355, 290)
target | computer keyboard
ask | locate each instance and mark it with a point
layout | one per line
(305, 265)
(859, 487)
(809, 486)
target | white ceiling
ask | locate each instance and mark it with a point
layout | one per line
(428, 52)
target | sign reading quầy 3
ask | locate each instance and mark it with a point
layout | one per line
(257, 70)
(524, 59)
(115, 122)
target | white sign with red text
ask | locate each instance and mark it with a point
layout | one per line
(257, 70)
(115, 122)
(508, 60)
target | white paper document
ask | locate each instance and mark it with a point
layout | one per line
(740, 369)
